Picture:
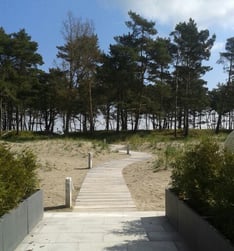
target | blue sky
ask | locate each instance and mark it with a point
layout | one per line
(42, 20)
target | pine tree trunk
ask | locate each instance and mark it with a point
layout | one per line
(91, 108)
(107, 117)
(17, 120)
(118, 118)
(66, 125)
(186, 123)
(217, 129)
(1, 113)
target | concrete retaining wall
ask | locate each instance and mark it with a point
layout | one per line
(16, 224)
(197, 232)
(35, 209)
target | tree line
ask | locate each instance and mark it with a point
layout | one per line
(142, 77)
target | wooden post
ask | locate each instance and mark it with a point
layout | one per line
(90, 160)
(68, 192)
(128, 149)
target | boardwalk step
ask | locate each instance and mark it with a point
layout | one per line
(104, 188)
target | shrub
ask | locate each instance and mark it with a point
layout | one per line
(224, 189)
(204, 176)
(196, 171)
(18, 178)
(166, 155)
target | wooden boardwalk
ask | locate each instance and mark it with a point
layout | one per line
(104, 188)
(107, 218)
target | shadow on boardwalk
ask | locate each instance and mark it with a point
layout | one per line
(148, 234)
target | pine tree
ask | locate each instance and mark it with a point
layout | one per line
(191, 48)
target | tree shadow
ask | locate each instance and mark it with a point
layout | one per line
(147, 234)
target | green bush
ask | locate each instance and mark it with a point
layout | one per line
(224, 190)
(166, 153)
(18, 178)
(196, 171)
(204, 176)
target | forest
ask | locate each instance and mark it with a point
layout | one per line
(144, 81)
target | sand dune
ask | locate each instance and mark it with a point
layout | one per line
(63, 158)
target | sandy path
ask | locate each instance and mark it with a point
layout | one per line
(59, 159)
(146, 186)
